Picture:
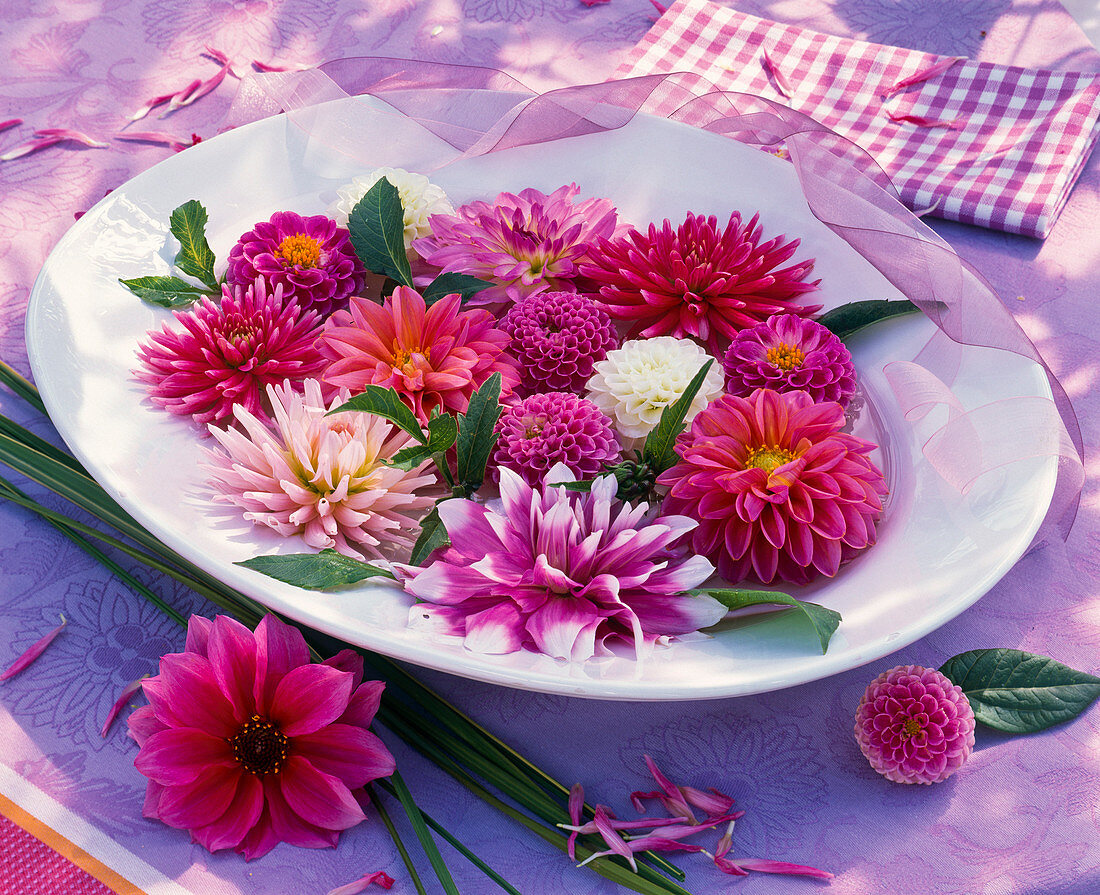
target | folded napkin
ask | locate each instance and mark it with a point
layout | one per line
(993, 145)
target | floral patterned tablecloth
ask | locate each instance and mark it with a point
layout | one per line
(1022, 817)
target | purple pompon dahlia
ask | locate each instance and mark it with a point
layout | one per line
(914, 725)
(560, 572)
(557, 337)
(526, 243)
(229, 353)
(789, 353)
(557, 427)
(698, 281)
(311, 257)
(779, 491)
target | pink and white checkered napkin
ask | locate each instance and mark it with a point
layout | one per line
(992, 145)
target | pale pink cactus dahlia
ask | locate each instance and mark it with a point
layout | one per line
(779, 491)
(323, 477)
(914, 725)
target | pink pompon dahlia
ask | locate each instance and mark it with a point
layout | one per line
(310, 257)
(560, 572)
(323, 477)
(247, 744)
(914, 725)
(526, 243)
(434, 357)
(544, 430)
(227, 353)
(779, 491)
(698, 281)
(557, 337)
(789, 353)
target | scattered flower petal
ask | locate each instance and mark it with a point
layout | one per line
(264, 66)
(32, 652)
(781, 82)
(680, 800)
(157, 137)
(923, 75)
(180, 98)
(591, 3)
(762, 865)
(129, 690)
(150, 105)
(660, 7)
(921, 121)
(11, 122)
(576, 804)
(51, 136)
(378, 878)
(198, 93)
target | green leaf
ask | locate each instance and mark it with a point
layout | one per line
(195, 258)
(849, 318)
(449, 283)
(167, 292)
(442, 432)
(433, 534)
(824, 621)
(658, 450)
(377, 226)
(384, 402)
(1020, 692)
(422, 833)
(315, 571)
(583, 486)
(477, 434)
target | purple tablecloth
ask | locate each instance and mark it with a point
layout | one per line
(1021, 817)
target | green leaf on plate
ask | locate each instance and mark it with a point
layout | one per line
(850, 318)
(195, 257)
(442, 432)
(377, 227)
(433, 534)
(315, 571)
(1020, 692)
(452, 282)
(384, 402)
(166, 292)
(824, 621)
(477, 434)
(658, 450)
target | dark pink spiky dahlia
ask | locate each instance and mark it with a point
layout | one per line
(698, 281)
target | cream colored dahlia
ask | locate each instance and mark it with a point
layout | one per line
(635, 383)
(322, 477)
(420, 199)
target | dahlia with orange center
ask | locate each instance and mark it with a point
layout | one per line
(434, 357)
(779, 491)
(699, 281)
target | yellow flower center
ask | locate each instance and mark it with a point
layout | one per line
(533, 426)
(912, 727)
(299, 250)
(786, 357)
(411, 360)
(768, 458)
(259, 746)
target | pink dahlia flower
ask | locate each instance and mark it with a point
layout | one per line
(557, 338)
(699, 281)
(227, 353)
(526, 243)
(311, 257)
(789, 353)
(247, 744)
(560, 572)
(544, 430)
(323, 477)
(780, 492)
(434, 357)
(914, 725)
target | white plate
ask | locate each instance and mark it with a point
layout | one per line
(936, 554)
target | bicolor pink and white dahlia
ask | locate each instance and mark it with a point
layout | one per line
(560, 572)
(779, 491)
(322, 477)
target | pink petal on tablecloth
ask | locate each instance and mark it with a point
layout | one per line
(33, 652)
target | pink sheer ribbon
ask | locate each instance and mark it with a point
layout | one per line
(473, 111)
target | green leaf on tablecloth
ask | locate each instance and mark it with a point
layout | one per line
(477, 434)
(433, 534)
(195, 257)
(854, 316)
(377, 227)
(315, 571)
(384, 402)
(165, 292)
(824, 621)
(450, 283)
(659, 452)
(1020, 692)
(442, 432)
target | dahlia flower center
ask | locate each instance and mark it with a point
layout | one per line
(533, 426)
(240, 332)
(410, 361)
(786, 357)
(911, 728)
(768, 458)
(299, 250)
(259, 746)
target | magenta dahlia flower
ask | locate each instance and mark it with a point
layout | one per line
(557, 337)
(526, 243)
(229, 352)
(698, 281)
(434, 357)
(560, 572)
(544, 430)
(779, 491)
(323, 477)
(247, 744)
(789, 353)
(914, 725)
(311, 257)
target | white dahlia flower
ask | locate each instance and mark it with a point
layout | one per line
(420, 199)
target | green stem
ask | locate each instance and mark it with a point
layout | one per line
(401, 850)
(22, 387)
(421, 830)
